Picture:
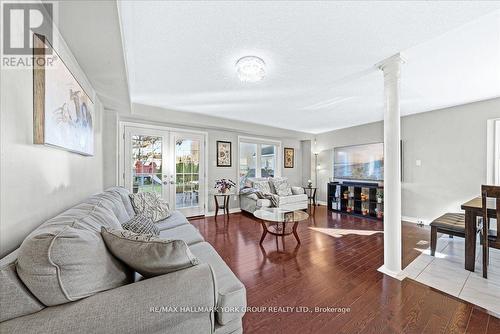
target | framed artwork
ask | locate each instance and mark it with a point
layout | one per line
(63, 113)
(224, 154)
(289, 157)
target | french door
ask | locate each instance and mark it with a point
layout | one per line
(168, 163)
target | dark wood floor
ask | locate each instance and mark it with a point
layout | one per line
(341, 272)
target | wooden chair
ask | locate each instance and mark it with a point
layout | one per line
(489, 237)
(452, 224)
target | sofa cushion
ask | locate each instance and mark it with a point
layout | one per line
(124, 195)
(175, 219)
(281, 186)
(15, 299)
(65, 258)
(262, 186)
(231, 292)
(150, 205)
(292, 199)
(187, 233)
(298, 191)
(148, 255)
(141, 224)
(263, 203)
(112, 201)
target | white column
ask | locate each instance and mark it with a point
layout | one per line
(391, 68)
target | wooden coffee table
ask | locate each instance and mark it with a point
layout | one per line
(280, 222)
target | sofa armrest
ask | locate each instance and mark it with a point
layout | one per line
(148, 306)
(297, 190)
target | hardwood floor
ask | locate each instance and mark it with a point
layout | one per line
(337, 271)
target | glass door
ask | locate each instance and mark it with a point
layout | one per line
(189, 176)
(146, 161)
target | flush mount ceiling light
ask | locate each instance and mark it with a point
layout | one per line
(251, 69)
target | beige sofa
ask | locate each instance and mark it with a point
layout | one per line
(62, 279)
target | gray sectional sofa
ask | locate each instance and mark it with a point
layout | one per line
(62, 279)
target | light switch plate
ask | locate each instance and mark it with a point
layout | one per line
(418, 163)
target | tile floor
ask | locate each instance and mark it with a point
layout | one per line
(446, 272)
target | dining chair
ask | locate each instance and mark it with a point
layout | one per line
(489, 237)
(452, 224)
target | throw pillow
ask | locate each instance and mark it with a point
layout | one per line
(141, 224)
(281, 186)
(262, 186)
(150, 205)
(147, 254)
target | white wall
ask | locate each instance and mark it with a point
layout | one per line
(38, 182)
(217, 129)
(451, 144)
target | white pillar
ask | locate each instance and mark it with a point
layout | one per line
(391, 68)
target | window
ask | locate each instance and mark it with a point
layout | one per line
(248, 161)
(267, 160)
(258, 158)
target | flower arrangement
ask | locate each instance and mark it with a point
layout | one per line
(223, 185)
(309, 183)
(380, 196)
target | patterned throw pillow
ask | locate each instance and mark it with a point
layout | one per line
(281, 186)
(148, 255)
(141, 224)
(150, 205)
(262, 186)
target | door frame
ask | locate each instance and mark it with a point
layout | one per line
(121, 151)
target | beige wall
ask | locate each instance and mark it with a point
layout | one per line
(38, 182)
(451, 145)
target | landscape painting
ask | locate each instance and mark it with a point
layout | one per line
(63, 112)
(361, 162)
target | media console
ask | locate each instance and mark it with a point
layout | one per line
(356, 198)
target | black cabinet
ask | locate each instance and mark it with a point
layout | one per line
(358, 199)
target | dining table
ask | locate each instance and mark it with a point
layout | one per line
(474, 209)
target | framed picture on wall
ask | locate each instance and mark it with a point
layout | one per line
(63, 113)
(224, 154)
(289, 157)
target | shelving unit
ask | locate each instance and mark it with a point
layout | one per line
(357, 199)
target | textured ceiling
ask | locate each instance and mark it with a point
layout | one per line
(320, 57)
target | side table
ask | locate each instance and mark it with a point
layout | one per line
(224, 205)
(311, 194)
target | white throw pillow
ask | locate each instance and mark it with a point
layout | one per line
(150, 205)
(281, 186)
(262, 186)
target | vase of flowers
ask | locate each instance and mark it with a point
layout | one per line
(309, 183)
(380, 196)
(224, 185)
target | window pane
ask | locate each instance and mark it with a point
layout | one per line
(267, 160)
(146, 164)
(187, 153)
(248, 161)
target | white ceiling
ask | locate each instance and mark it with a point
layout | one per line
(320, 57)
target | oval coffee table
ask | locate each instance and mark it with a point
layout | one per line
(280, 222)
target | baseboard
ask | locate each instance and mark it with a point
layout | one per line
(400, 275)
(212, 213)
(415, 220)
(321, 203)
